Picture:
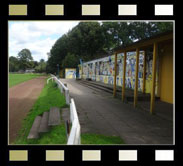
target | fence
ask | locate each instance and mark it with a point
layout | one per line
(62, 88)
(74, 135)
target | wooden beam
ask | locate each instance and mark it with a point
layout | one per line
(115, 74)
(124, 76)
(153, 78)
(136, 77)
(144, 73)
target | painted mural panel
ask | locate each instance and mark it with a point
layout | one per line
(130, 70)
(149, 73)
(103, 70)
(70, 73)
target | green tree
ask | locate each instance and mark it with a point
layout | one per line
(86, 40)
(70, 61)
(13, 64)
(25, 58)
(90, 40)
(164, 26)
(41, 67)
(116, 34)
(34, 64)
(142, 30)
(57, 53)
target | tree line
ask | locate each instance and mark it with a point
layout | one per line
(25, 61)
(90, 40)
(87, 41)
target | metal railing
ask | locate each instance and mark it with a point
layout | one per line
(62, 88)
(74, 136)
(75, 132)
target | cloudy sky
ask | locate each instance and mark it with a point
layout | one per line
(37, 36)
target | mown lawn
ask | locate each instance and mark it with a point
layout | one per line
(49, 97)
(100, 139)
(15, 79)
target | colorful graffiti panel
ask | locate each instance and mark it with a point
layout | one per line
(103, 70)
(70, 73)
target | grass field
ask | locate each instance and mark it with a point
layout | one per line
(100, 139)
(15, 79)
(49, 97)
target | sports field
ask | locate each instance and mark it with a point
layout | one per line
(15, 79)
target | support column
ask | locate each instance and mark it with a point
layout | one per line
(115, 73)
(124, 76)
(82, 71)
(136, 77)
(144, 73)
(153, 78)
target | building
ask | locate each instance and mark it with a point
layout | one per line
(145, 66)
(70, 73)
(29, 70)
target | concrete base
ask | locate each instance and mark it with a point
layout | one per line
(100, 113)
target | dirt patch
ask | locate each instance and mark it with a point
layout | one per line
(21, 99)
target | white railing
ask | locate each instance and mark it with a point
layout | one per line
(51, 78)
(62, 88)
(74, 136)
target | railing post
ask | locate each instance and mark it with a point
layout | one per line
(61, 89)
(67, 96)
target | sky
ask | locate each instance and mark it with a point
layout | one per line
(37, 36)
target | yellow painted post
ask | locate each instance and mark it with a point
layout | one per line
(82, 71)
(136, 77)
(144, 73)
(124, 75)
(115, 73)
(153, 78)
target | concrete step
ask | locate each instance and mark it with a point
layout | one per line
(54, 116)
(96, 87)
(129, 93)
(99, 84)
(44, 123)
(35, 127)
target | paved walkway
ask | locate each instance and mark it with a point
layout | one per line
(100, 113)
(21, 100)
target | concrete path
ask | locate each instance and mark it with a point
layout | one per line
(100, 113)
(21, 99)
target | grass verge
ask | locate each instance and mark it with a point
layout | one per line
(49, 97)
(15, 79)
(100, 139)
